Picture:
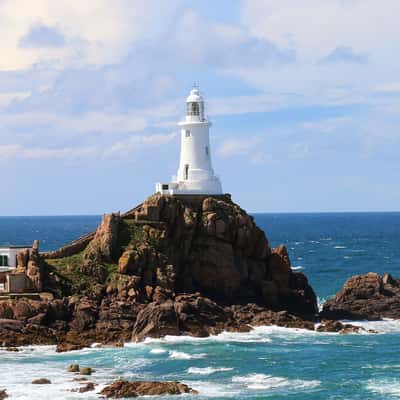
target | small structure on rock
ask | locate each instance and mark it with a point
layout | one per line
(19, 269)
(195, 173)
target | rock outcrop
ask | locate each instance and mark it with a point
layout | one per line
(368, 296)
(124, 389)
(192, 265)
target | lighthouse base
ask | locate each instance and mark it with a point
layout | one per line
(206, 187)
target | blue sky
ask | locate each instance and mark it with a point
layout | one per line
(304, 99)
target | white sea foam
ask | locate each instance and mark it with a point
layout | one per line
(385, 386)
(385, 326)
(340, 247)
(158, 351)
(297, 268)
(207, 370)
(268, 382)
(180, 355)
(213, 389)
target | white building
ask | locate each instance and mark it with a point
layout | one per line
(8, 256)
(8, 263)
(195, 173)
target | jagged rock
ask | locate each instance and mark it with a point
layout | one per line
(103, 245)
(185, 315)
(366, 296)
(123, 389)
(333, 326)
(3, 394)
(255, 315)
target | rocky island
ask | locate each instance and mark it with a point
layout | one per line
(175, 265)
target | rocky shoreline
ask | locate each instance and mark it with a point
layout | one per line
(189, 265)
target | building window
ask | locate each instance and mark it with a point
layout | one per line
(3, 261)
(207, 151)
(186, 171)
(187, 133)
(165, 187)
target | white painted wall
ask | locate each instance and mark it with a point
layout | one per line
(11, 252)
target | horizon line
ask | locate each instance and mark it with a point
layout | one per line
(248, 212)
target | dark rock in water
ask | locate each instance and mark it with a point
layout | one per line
(41, 381)
(13, 349)
(73, 368)
(87, 388)
(366, 296)
(124, 389)
(254, 315)
(3, 394)
(85, 371)
(66, 346)
(338, 327)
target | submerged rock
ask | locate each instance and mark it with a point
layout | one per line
(124, 389)
(41, 381)
(368, 296)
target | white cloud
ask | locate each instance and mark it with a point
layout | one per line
(7, 97)
(123, 149)
(95, 31)
(361, 34)
(391, 87)
(314, 27)
(327, 125)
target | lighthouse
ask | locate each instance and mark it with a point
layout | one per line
(195, 173)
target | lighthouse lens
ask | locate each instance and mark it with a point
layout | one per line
(193, 109)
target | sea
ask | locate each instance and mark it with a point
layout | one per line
(266, 363)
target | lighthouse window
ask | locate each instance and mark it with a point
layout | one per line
(186, 171)
(207, 150)
(187, 133)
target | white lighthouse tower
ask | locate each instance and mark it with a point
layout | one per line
(195, 173)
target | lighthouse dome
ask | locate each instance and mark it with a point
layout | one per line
(194, 96)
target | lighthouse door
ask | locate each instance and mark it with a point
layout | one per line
(186, 171)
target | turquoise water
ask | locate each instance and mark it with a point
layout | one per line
(267, 363)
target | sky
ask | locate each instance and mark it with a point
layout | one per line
(304, 96)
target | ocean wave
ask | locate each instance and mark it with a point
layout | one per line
(297, 268)
(340, 247)
(207, 370)
(180, 355)
(268, 382)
